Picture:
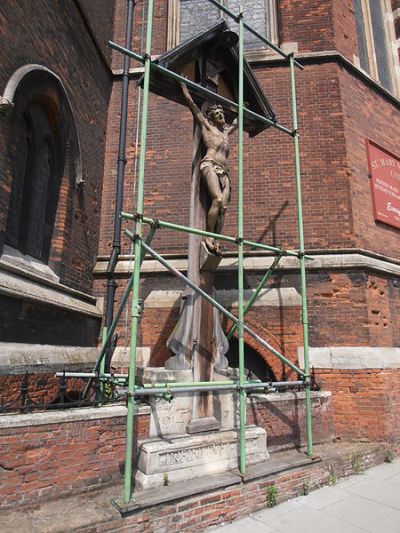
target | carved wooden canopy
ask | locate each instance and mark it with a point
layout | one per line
(212, 59)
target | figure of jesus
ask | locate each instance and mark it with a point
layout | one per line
(214, 165)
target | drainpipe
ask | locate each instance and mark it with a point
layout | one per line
(116, 250)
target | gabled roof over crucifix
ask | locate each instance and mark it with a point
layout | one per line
(212, 58)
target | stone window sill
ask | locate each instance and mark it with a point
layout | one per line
(26, 278)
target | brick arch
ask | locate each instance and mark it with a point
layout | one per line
(278, 339)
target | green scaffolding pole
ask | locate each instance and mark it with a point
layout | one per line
(304, 314)
(217, 236)
(136, 304)
(242, 391)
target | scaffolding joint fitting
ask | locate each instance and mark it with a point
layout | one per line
(294, 133)
(168, 396)
(155, 223)
(239, 240)
(146, 56)
(137, 309)
(137, 217)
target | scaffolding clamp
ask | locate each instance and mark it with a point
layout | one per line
(168, 396)
(137, 309)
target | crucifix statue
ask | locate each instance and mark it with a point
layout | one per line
(198, 340)
(214, 165)
(210, 60)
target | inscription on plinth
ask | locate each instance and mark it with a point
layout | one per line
(187, 457)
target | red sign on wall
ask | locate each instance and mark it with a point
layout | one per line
(384, 170)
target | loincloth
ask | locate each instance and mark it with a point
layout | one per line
(222, 171)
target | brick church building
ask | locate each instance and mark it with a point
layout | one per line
(60, 102)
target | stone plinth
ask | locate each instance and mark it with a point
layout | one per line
(190, 456)
(173, 418)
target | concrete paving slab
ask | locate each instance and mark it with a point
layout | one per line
(323, 497)
(382, 472)
(368, 503)
(394, 480)
(306, 520)
(349, 482)
(248, 524)
(376, 491)
(270, 513)
(365, 514)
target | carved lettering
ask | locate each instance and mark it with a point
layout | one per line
(202, 453)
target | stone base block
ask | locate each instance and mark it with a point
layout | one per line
(181, 458)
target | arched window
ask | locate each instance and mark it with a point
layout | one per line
(36, 183)
(44, 151)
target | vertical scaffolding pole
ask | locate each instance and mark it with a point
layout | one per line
(242, 391)
(136, 303)
(304, 314)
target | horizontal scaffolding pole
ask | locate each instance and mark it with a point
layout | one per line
(104, 376)
(211, 387)
(206, 92)
(254, 32)
(216, 236)
(216, 304)
(194, 386)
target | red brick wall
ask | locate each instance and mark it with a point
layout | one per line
(307, 22)
(283, 417)
(365, 402)
(344, 23)
(52, 460)
(42, 388)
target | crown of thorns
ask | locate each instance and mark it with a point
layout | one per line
(213, 108)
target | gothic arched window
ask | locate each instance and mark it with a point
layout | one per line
(44, 164)
(36, 183)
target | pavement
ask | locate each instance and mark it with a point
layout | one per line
(368, 502)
